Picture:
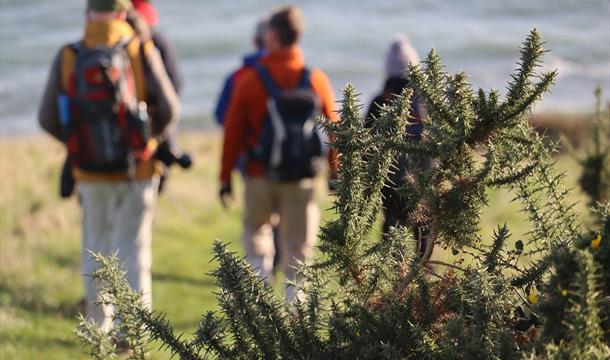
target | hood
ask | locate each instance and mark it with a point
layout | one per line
(106, 33)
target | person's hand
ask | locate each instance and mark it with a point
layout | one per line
(226, 194)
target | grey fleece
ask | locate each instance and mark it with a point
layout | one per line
(159, 89)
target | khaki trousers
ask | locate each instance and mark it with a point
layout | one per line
(298, 212)
(117, 218)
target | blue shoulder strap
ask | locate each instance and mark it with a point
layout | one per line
(274, 91)
(305, 82)
(76, 47)
(267, 80)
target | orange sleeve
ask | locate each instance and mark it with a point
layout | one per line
(235, 130)
(322, 86)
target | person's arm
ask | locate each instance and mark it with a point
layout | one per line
(322, 86)
(162, 94)
(236, 127)
(48, 113)
(170, 60)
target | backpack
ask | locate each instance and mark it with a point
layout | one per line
(291, 144)
(107, 131)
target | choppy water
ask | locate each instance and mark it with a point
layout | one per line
(347, 39)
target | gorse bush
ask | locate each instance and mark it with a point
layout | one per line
(368, 298)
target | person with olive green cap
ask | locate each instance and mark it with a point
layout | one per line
(118, 203)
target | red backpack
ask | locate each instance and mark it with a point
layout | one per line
(107, 130)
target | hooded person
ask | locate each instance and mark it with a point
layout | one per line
(400, 55)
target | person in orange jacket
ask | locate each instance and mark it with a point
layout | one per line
(267, 195)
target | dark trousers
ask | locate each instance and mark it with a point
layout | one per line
(396, 213)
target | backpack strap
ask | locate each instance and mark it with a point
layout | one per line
(268, 83)
(76, 46)
(305, 81)
(274, 91)
(67, 62)
(123, 42)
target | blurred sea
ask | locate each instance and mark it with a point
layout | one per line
(347, 39)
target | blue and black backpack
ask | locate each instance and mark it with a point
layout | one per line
(291, 146)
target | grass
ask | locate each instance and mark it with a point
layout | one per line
(40, 282)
